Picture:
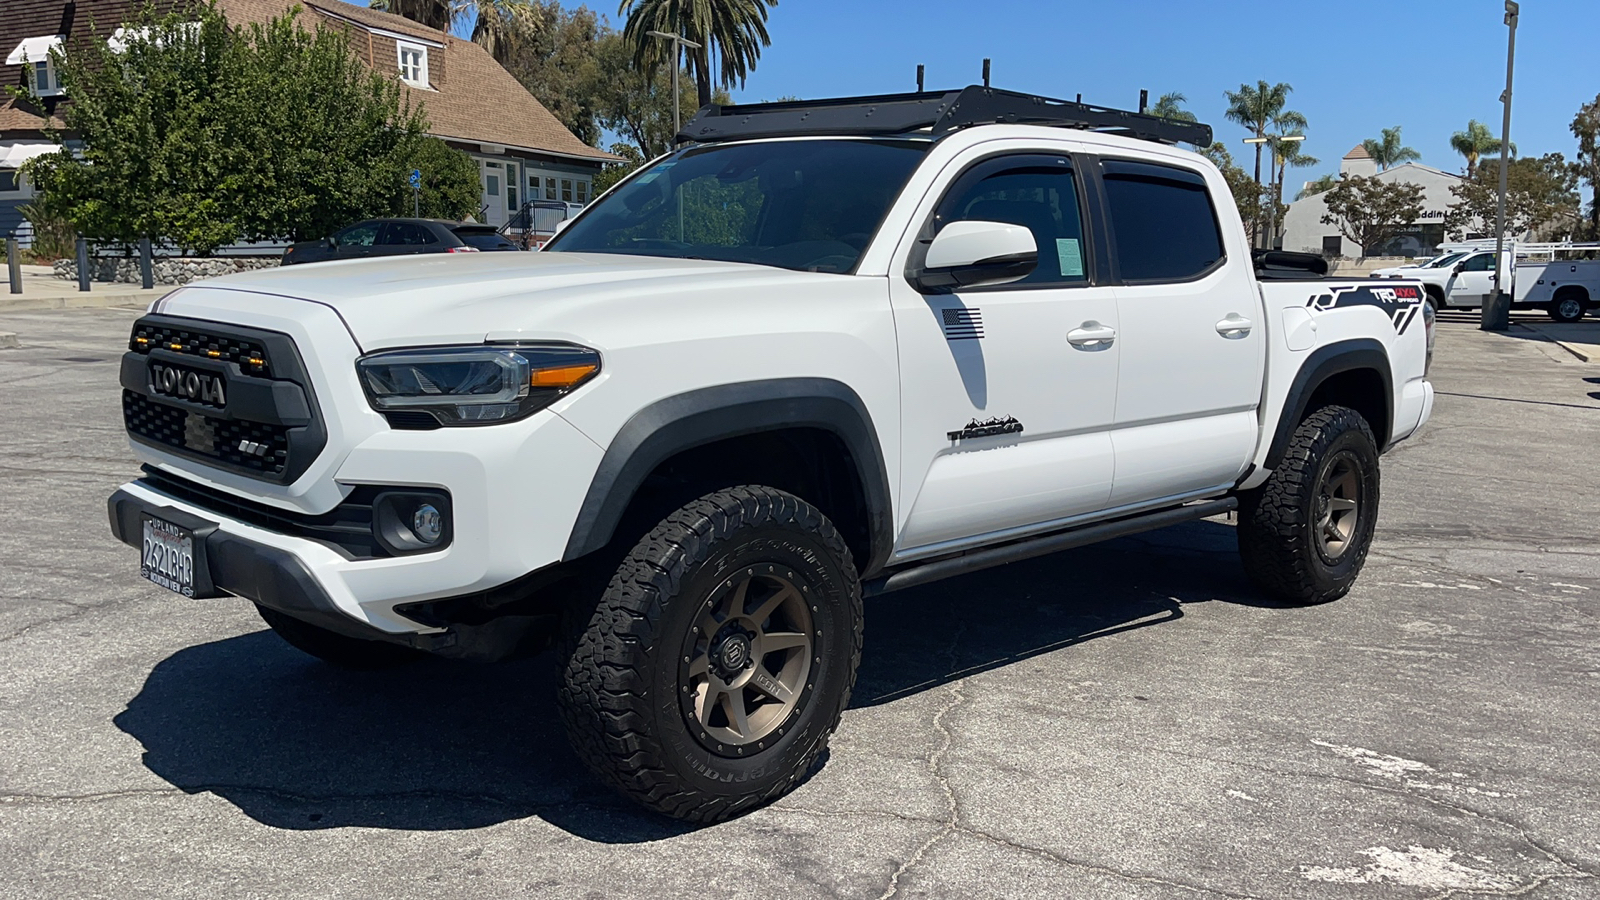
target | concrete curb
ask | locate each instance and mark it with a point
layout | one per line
(90, 300)
(1587, 351)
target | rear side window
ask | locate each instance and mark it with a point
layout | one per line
(407, 233)
(1163, 224)
(485, 241)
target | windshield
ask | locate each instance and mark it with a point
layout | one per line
(808, 205)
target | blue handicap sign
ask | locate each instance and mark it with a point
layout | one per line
(416, 177)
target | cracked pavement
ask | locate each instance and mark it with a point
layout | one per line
(1119, 721)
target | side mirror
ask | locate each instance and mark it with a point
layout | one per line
(1460, 267)
(329, 243)
(970, 254)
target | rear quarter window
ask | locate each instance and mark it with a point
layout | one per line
(1163, 223)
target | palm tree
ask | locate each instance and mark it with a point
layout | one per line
(1389, 151)
(1319, 186)
(1284, 154)
(1255, 108)
(432, 13)
(1476, 141)
(1170, 106)
(730, 33)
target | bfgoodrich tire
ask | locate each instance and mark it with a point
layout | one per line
(331, 647)
(1304, 534)
(720, 658)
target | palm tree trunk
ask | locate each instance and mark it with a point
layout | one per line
(702, 76)
(1255, 226)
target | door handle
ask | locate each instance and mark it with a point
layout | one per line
(1234, 326)
(1091, 335)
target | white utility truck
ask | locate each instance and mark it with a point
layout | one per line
(1551, 277)
(823, 351)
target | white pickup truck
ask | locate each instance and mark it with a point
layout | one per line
(1565, 289)
(824, 351)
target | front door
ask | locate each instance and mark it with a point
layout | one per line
(1473, 281)
(1192, 336)
(1008, 391)
(494, 194)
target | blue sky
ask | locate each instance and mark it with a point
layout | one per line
(1356, 65)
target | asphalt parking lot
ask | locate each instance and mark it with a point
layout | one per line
(1120, 721)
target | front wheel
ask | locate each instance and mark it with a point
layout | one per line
(720, 658)
(1304, 534)
(1568, 308)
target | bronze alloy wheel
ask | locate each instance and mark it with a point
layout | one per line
(747, 660)
(1338, 509)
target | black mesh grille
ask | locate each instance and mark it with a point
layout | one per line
(256, 446)
(250, 355)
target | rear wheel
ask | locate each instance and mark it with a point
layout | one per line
(1304, 534)
(332, 647)
(1569, 305)
(720, 658)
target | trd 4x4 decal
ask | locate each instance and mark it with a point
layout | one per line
(1401, 302)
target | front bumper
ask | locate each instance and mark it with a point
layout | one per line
(270, 576)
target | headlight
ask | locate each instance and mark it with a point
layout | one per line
(474, 385)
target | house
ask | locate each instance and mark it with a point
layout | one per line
(1304, 230)
(522, 151)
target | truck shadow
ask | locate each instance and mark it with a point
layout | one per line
(296, 744)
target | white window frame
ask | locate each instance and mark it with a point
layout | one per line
(420, 78)
(33, 52)
(51, 76)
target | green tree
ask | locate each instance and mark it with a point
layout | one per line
(730, 33)
(636, 103)
(1389, 150)
(1541, 196)
(436, 14)
(1247, 194)
(1586, 128)
(202, 134)
(1369, 211)
(555, 60)
(616, 171)
(1477, 141)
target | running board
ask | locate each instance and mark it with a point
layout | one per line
(1043, 545)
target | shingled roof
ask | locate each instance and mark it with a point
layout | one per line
(471, 98)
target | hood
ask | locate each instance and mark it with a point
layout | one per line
(470, 297)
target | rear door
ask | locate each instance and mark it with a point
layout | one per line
(400, 238)
(1192, 335)
(1008, 391)
(356, 241)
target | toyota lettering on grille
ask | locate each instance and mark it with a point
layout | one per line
(187, 384)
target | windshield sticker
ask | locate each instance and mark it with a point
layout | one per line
(1070, 256)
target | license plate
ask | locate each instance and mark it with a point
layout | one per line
(167, 557)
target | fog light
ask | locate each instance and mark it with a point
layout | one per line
(427, 524)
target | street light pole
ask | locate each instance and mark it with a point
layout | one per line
(1496, 313)
(1274, 179)
(678, 43)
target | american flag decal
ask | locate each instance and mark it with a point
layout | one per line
(961, 324)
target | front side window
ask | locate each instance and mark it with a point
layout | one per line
(413, 64)
(1040, 194)
(1483, 262)
(811, 205)
(1163, 224)
(363, 234)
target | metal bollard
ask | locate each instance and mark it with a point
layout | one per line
(14, 264)
(83, 264)
(147, 277)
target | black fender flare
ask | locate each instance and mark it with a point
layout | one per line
(681, 422)
(1322, 364)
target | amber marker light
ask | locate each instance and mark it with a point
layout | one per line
(562, 376)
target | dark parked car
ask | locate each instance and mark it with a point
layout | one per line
(395, 237)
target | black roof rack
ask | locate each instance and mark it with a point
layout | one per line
(939, 113)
